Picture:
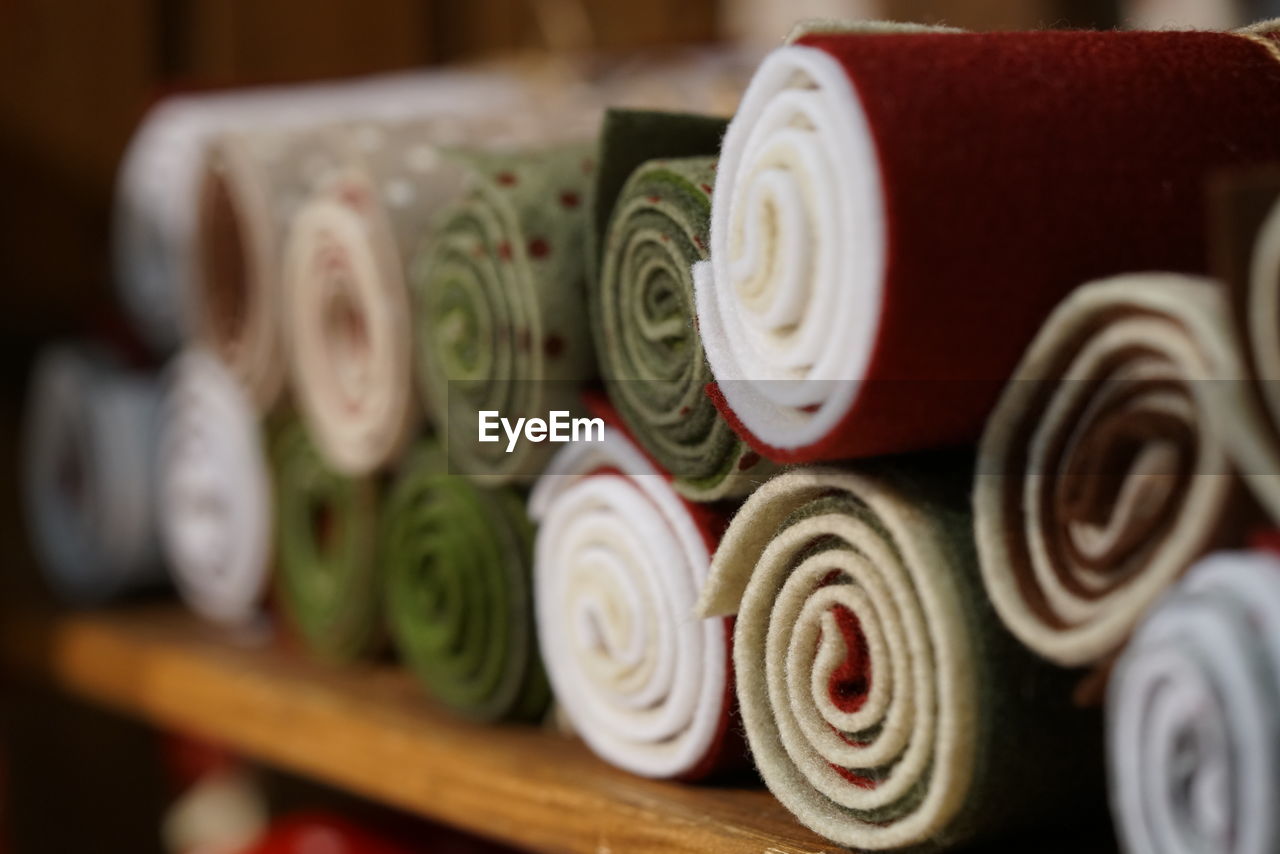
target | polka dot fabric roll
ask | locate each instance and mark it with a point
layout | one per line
(884, 704)
(216, 514)
(500, 303)
(458, 559)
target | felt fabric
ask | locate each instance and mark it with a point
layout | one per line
(652, 229)
(155, 209)
(1246, 254)
(884, 705)
(500, 314)
(458, 559)
(346, 291)
(215, 502)
(329, 578)
(618, 562)
(89, 469)
(1112, 461)
(1192, 744)
(896, 213)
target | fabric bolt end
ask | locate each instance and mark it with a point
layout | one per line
(329, 579)
(618, 561)
(652, 220)
(1115, 459)
(216, 513)
(1071, 156)
(89, 479)
(499, 303)
(459, 597)
(1191, 741)
(879, 692)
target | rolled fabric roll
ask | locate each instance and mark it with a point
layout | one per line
(1191, 708)
(346, 292)
(877, 190)
(884, 704)
(618, 562)
(330, 580)
(1246, 240)
(215, 492)
(1112, 461)
(641, 301)
(500, 314)
(90, 431)
(155, 210)
(458, 559)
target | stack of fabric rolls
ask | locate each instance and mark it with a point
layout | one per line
(909, 392)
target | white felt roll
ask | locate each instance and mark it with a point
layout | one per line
(788, 304)
(89, 449)
(618, 563)
(159, 179)
(1193, 740)
(215, 492)
(1109, 465)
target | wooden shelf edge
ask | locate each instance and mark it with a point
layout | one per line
(369, 730)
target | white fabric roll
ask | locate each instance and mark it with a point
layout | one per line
(789, 302)
(1193, 732)
(215, 492)
(618, 564)
(159, 177)
(89, 443)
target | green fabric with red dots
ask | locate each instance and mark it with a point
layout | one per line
(653, 228)
(500, 304)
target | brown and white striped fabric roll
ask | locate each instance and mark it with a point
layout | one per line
(1114, 460)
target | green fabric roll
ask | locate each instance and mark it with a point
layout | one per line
(329, 579)
(653, 229)
(458, 561)
(500, 306)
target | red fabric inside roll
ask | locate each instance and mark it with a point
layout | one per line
(1015, 167)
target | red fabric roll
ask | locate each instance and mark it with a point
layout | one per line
(307, 832)
(1011, 167)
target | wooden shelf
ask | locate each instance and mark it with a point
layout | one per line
(369, 730)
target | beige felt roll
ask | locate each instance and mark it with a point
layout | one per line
(879, 693)
(347, 311)
(252, 187)
(1112, 460)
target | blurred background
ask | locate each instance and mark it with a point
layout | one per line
(76, 76)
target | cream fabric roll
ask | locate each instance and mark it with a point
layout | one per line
(215, 492)
(618, 563)
(1109, 465)
(89, 449)
(347, 312)
(1193, 740)
(158, 183)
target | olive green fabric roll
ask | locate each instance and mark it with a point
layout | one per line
(329, 579)
(500, 313)
(458, 559)
(650, 352)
